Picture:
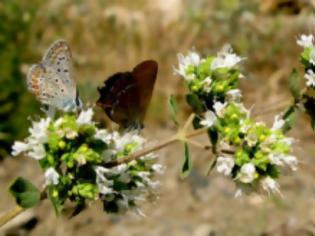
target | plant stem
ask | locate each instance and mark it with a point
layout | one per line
(17, 210)
(148, 150)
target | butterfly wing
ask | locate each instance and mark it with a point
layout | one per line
(51, 80)
(126, 96)
(144, 75)
(119, 98)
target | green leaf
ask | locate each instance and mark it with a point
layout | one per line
(187, 163)
(289, 117)
(294, 83)
(195, 103)
(25, 193)
(173, 108)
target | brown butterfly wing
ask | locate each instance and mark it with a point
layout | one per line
(118, 97)
(126, 96)
(144, 75)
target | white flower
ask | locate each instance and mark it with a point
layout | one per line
(85, 117)
(103, 184)
(276, 158)
(37, 152)
(219, 108)
(207, 84)
(305, 41)
(209, 120)
(191, 59)
(103, 135)
(247, 173)
(38, 130)
(225, 165)
(127, 138)
(158, 168)
(310, 78)
(278, 123)
(19, 147)
(225, 59)
(51, 176)
(288, 141)
(234, 95)
(270, 185)
(290, 161)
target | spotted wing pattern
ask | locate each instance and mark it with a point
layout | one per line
(51, 79)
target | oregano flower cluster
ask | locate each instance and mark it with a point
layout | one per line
(251, 153)
(73, 153)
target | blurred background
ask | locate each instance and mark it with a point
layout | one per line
(109, 36)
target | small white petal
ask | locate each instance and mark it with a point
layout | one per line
(225, 165)
(19, 147)
(234, 95)
(247, 173)
(37, 152)
(225, 59)
(270, 185)
(310, 78)
(278, 123)
(209, 119)
(305, 41)
(290, 161)
(51, 176)
(85, 117)
(219, 108)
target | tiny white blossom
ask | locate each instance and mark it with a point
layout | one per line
(51, 176)
(37, 152)
(234, 95)
(103, 135)
(247, 173)
(207, 84)
(191, 59)
(310, 78)
(103, 184)
(209, 119)
(225, 59)
(305, 41)
(158, 168)
(270, 185)
(128, 138)
(276, 158)
(225, 165)
(85, 117)
(38, 130)
(219, 108)
(290, 161)
(278, 123)
(19, 147)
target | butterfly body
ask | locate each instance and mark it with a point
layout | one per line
(125, 96)
(51, 80)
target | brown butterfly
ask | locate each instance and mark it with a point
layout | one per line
(290, 7)
(125, 96)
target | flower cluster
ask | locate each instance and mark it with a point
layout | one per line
(75, 155)
(247, 151)
(208, 76)
(308, 58)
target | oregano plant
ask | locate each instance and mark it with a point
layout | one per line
(84, 162)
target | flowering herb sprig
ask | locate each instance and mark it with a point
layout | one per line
(73, 152)
(257, 152)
